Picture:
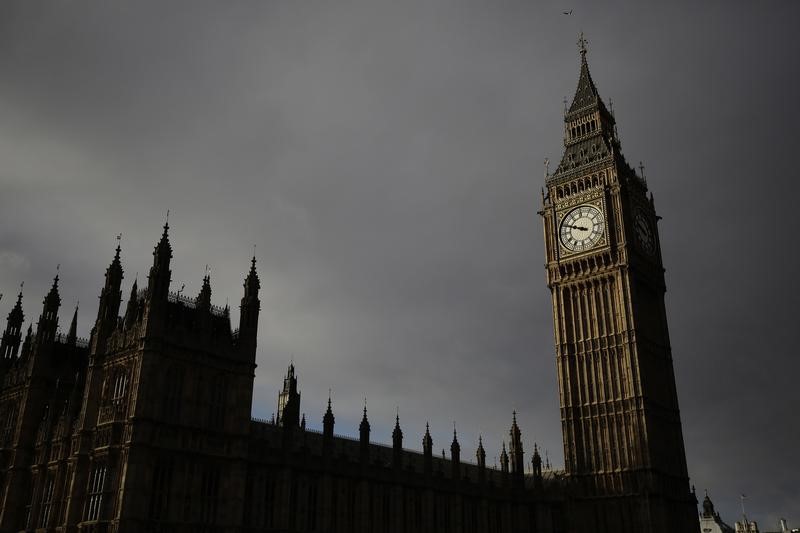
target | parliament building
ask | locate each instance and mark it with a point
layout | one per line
(147, 427)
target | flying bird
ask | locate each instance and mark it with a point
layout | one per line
(568, 12)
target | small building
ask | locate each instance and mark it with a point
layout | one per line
(710, 521)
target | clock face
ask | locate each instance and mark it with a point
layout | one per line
(644, 232)
(582, 228)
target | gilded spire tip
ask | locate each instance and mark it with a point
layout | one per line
(582, 42)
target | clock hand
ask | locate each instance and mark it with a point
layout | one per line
(577, 227)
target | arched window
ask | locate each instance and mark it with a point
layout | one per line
(97, 480)
(119, 385)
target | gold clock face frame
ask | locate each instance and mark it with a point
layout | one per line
(582, 228)
(645, 234)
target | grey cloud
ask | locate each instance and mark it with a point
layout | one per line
(386, 158)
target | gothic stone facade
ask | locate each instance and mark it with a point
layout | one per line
(147, 425)
(623, 444)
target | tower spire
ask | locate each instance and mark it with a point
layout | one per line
(590, 130)
(204, 298)
(249, 310)
(289, 401)
(427, 449)
(582, 42)
(397, 441)
(110, 300)
(327, 428)
(48, 320)
(455, 454)
(160, 275)
(72, 336)
(9, 345)
(133, 303)
(480, 454)
(504, 459)
(363, 436)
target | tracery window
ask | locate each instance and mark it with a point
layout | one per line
(97, 480)
(119, 385)
(8, 419)
(47, 499)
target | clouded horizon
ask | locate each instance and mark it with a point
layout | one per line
(386, 160)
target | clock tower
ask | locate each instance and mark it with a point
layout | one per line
(623, 445)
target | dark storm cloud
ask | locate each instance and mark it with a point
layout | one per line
(386, 158)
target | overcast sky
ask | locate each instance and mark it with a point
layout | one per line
(386, 159)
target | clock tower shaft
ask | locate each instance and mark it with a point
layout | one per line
(623, 443)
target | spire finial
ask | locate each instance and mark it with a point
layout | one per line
(582, 42)
(329, 398)
(397, 416)
(365, 407)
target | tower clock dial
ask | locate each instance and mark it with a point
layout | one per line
(582, 228)
(644, 232)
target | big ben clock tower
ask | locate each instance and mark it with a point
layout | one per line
(623, 446)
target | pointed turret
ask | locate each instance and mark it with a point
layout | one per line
(249, 310)
(203, 300)
(48, 320)
(708, 507)
(328, 421)
(480, 455)
(363, 436)
(516, 454)
(110, 300)
(504, 459)
(72, 336)
(132, 309)
(289, 401)
(427, 449)
(160, 274)
(586, 94)
(9, 345)
(155, 313)
(455, 455)
(536, 464)
(26, 345)
(397, 442)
